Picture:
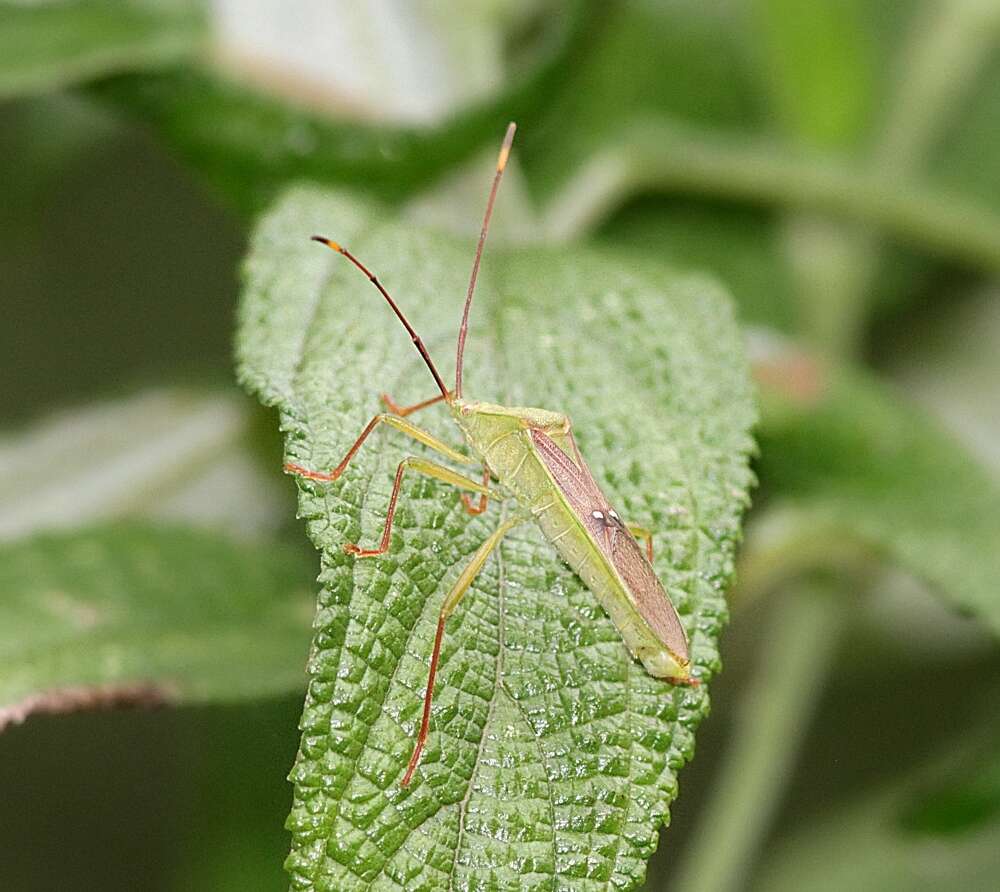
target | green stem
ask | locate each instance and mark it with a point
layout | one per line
(773, 718)
(657, 155)
(785, 542)
(836, 263)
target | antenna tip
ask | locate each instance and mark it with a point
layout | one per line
(505, 148)
(328, 242)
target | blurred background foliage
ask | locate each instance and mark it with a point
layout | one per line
(835, 163)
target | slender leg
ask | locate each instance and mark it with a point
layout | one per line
(484, 498)
(393, 421)
(431, 469)
(403, 411)
(642, 533)
(450, 603)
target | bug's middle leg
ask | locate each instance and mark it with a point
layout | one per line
(484, 498)
(422, 466)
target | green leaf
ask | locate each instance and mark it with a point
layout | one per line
(249, 144)
(48, 45)
(173, 454)
(668, 99)
(152, 614)
(552, 756)
(816, 62)
(854, 463)
(741, 245)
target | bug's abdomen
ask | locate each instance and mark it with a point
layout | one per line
(562, 529)
(507, 449)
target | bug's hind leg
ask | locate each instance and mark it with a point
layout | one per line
(422, 466)
(450, 603)
(643, 533)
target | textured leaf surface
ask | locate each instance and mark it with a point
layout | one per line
(552, 756)
(860, 464)
(148, 613)
(48, 45)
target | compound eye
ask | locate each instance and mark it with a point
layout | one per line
(597, 515)
(613, 514)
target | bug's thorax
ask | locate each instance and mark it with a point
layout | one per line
(500, 436)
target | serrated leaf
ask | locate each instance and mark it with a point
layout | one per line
(553, 755)
(47, 45)
(155, 614)
(853, 462)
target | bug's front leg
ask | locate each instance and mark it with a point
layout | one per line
(411, 430)
(403, 411)
(431, 469)
(450, 603)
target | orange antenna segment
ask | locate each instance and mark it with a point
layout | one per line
(464, 329)
(419, 344)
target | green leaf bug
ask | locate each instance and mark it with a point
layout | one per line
(532, 454)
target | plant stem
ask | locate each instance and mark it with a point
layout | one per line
(656, 155)
(774, 714)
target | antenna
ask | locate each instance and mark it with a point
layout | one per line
(419, 344)
(464, 330)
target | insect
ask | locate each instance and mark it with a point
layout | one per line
(532, 455)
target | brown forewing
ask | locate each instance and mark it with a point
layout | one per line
(612, 537)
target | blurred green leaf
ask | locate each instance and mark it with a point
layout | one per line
(47, 45)
(659, 156)
(172, 454)
(960, 84)
(250, 144)
(816, 64)
(640, 61)
(850, 462)
(738, 244)
(552, 756)
(937, 828)
(155, 614)
(674, 99)
(957, 805)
